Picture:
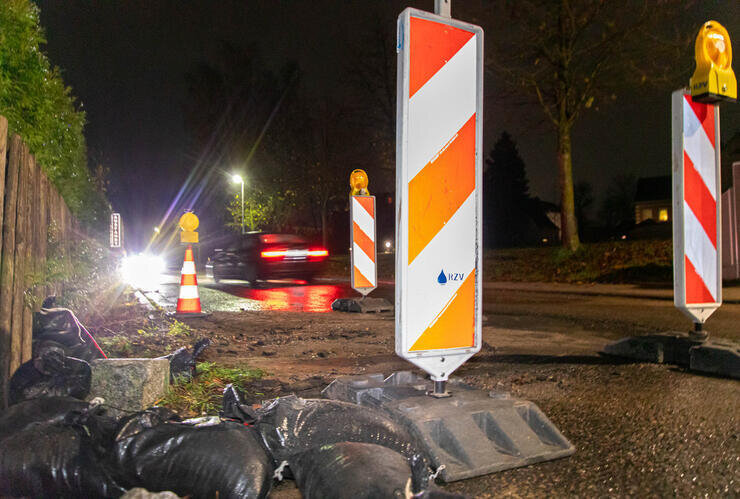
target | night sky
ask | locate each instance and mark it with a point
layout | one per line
(126, 63)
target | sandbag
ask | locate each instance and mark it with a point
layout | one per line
(60, 328)
(234, 408)
(351, 470)
(50, 374)
(57, 459)
(290, 425)
(183, 361)
(47, 409)
(225, 460)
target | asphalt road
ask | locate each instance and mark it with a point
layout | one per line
(537, 307)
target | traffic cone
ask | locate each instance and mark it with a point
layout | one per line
(188, 303)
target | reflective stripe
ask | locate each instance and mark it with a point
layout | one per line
(363, 241)
(700, 251)
(451, 251)
(699, 149)
(188, 292)
(188, 267)
(363, 263)
(441, 107)
(362, 218)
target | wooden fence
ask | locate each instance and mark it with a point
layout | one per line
(31, 212)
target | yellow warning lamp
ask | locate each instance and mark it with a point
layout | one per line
(713, 80)
(188, 223)
(358, 181)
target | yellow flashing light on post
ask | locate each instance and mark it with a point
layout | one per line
(713, 80)
(358, 181)
(188, 223)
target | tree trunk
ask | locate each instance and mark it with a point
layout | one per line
(568, 222)
(325, 223)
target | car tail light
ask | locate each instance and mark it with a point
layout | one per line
(274, 254)
(318, 252)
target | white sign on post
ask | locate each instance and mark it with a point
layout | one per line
(438, 185)
(116, 231)
(697, 263)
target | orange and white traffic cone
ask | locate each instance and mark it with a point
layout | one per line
(188, 303)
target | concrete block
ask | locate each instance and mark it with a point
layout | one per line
(470, 433)
(129, 384)
(717, 357)
(362, 305)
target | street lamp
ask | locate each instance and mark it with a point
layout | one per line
(237, 179)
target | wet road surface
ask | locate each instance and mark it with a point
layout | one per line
(612, 316)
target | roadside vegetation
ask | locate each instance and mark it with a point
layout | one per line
(644, 261)
(204, 393)
(40, 108)
(605, 262)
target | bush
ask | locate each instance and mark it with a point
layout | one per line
(610, 262)
(41, 109)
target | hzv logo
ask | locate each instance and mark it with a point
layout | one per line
(442, 278)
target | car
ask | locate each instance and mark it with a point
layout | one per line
(258, 256)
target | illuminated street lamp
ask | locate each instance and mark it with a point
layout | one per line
(237, 179)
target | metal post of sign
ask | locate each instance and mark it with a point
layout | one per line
(443, 8)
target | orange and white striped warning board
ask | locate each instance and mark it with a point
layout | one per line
(188, 303)
(697, 265)
(364, 252)
(438, 186)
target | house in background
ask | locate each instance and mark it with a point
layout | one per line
(653, 199)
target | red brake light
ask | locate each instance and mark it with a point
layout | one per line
(273, 254)
(318, 252)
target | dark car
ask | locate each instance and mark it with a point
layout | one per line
(258, 256)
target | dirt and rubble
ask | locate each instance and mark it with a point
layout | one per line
(639, 429)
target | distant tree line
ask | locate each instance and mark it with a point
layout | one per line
(42, 109)
(512, 217)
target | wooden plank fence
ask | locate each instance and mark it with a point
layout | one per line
(31, 211)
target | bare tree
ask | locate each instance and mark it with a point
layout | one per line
(574, 55)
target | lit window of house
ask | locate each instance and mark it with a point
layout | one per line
(663, 215)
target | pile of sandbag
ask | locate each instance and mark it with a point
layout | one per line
(64, 447)
(53, 444)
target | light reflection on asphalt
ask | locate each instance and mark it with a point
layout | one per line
(286, 297)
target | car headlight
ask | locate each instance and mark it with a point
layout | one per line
(142, 271)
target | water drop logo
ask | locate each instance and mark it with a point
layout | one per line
(442, 278)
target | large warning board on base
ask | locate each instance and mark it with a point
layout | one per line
(438, 186)
(697, 264)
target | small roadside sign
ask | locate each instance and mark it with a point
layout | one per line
(697, 263)
(438, 185)
(116, 231)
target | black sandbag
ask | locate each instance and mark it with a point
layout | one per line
(51, 374)
(234, 408)
(225, 460)
(47, 409)
(351, 470)
(290, 425)
(183, 361)
(59, 327)
(58, 459)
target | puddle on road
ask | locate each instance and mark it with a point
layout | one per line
(287, 298)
